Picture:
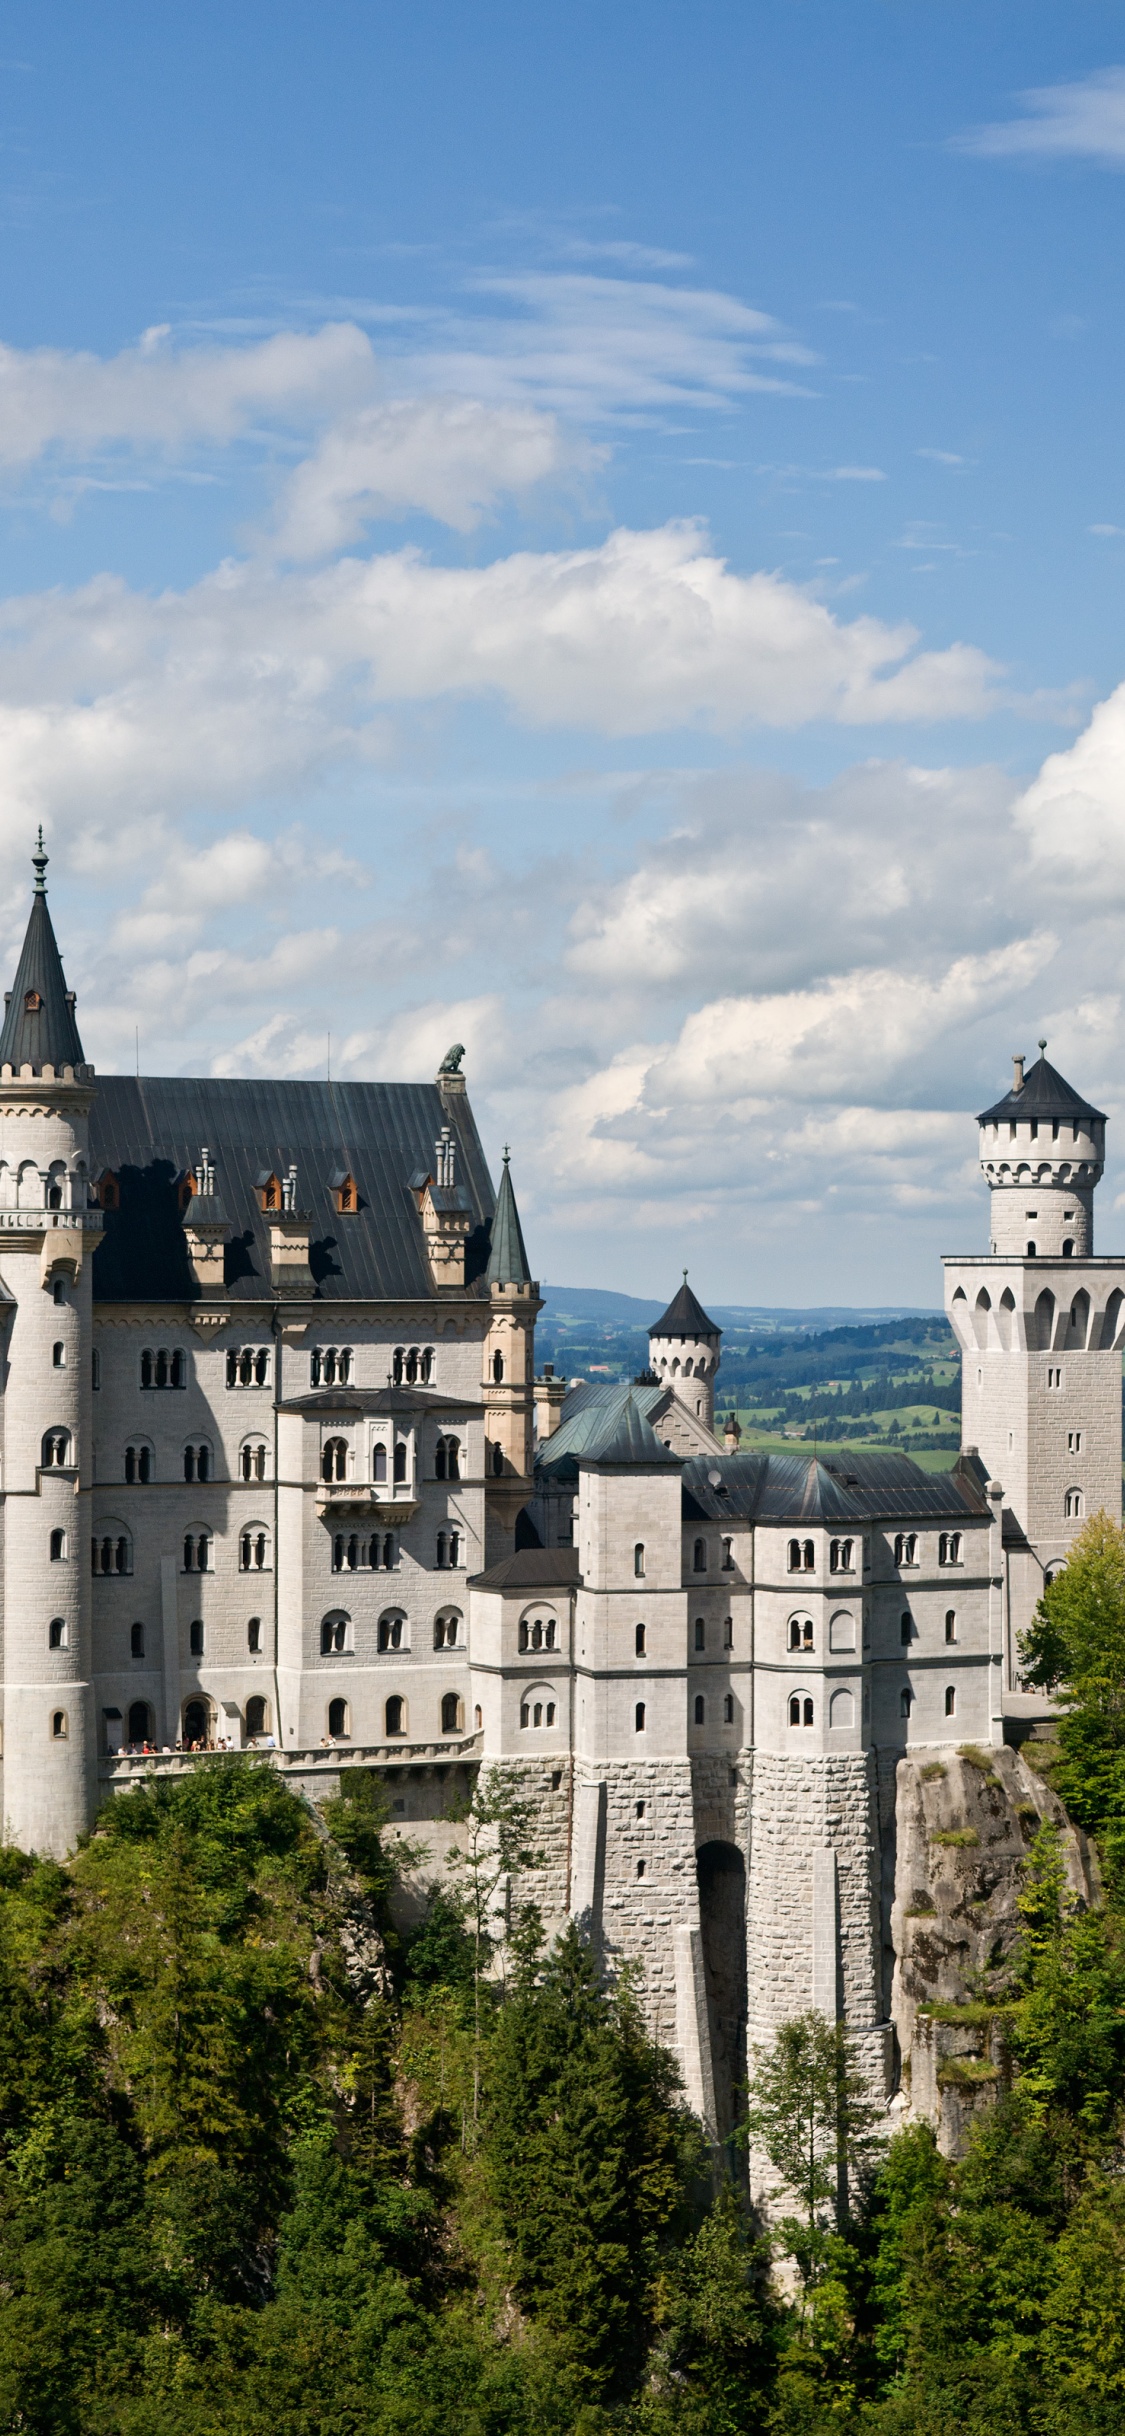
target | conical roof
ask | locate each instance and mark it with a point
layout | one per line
(1044, 1094)
(685, 1316)
(507, 1261)
(626, 1437)
(39, 1024)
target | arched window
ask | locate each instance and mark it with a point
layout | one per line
(452, 1718)
(112, 1553)
(807, 1713)
(728, 1632)
(1068, 1248)
(728, 1556)
(253, 1549)
(56, 1449)
(59, 1725)
(794, 1709)
(247, 1366)
(197, 1724)
(905, 1701)
(400, 1459)
(56, 1633)
(728, 1708)
(197, 1461)
(497, 1461)
(164, 1366)
(478, 1717)
(334, 1459)
(339, 1722)
(639, 1641)
(391, 1631)
(138, 1465)
(254, 1636)
(841, 1708)
(950, 1700)
(840, 1556)
(136, 1640)
(1072, 1504)
(395, 1715)
(639, 1718)
(498, 1367)
(58, 1355)
(699, 1708)
(251, 1459)
(699, 1557)
(807, 1633)
(808, 1556)
(257, 1715)
(639, 1561)
(447, 1629)
(379, 1462)
(335, 1633)
(197, 1552)
(442, 1550)
(139, 1721)
(794, 1632)
(951, 1623)
(196, 1637)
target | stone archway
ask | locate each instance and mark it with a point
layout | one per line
(721, 1873)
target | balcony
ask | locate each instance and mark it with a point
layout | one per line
(381, 1501)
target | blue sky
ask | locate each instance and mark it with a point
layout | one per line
(598, 532)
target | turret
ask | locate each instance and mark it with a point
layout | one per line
(47, 1238)
(683, 1353)
(1042, 1150)
(508, 1387)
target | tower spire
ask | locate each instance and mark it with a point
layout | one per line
(39, 1023)
(508, 1264)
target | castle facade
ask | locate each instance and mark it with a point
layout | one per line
(277, 1469)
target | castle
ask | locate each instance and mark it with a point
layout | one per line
(277, 1470)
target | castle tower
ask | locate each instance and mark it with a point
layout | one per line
(47, 1238)
(508, 1387)
(683, 1351)
(1040, 1321)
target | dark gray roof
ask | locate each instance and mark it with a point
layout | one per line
(621, 1433)
(39, 1025)
(532, 1569)
(1044, 1094)
(757, 1487)
(149, 1132)
(585, 1414)
(685, 1316)
(378, 1400)
(508, 1264)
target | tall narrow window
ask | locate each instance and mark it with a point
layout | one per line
(794, 1556)
(195, 1638)
(950, 1700)
(728, 1556)
(639, 1560)
(639, 1717)
(639, 1641)
(58, 1547)
(807, 1713)
(728, 1708)
(809, 1555)
(379, 1463)
(794, 1709)
(136, 1640)
(56, 1633)
(395, 1714)
(699, 1710)
(951, 1624)
(497, 1367)
(400, 1459)
(338, 1723)
(699, 1636)
(254, 1636)
(699, 1557)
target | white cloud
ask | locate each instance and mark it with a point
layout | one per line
(454, 458)
(1073, 814)
(1080, 121)
(173, 398)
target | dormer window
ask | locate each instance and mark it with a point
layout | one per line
(108, 1191)
(32, 1002)
(267, 1185)
(344, 1193)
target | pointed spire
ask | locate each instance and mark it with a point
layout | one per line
(507, 1261)
(39, 1025)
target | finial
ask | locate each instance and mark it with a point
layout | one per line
(507, 1155)
(40, 860)
(1042, 1047)
(685, 1277)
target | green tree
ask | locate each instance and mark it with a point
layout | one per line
(498, 1838)
(811, 2112)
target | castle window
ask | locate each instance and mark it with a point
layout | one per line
(1068, 1249)
(1073, 1504)
(254, 1636)
(400, 1460)
(906, 1628)
(339, 1720)
(138, 1465)
(1031, 1253)
(906, 1545)
(257, 1716)
(807, 1713)
(56, 1633)
(59, 1726)
(452, 1717)
(728, 1556)
(447, 1459)
(163, 1366)
(639, 1561)
(95, 1369)
(807, 1633)
(334, 1459)
(639, 1641)
(59, 1288)
(537, 1636)
(335, 1633)
(699, 1637)
(390, 1632)
(497, 1461)
(251, 1459)
(197, 1552)
(58, 1547)
(395, 1714)
(58, 1355)
(345, 1195)
(447, 1629)
(139, 1722)
(639, 1718)
(247, 1366)
(1054, 1378)
(136, 1640)
(728, 1708)
(330, 1366)
(197, 1461)
(840, 1559)
(699, 1556)
(794, 1709)
(728, 1632)
(699, 1708)
(379, 1463)
(111, 1554)
(196, 1638)
(640, 1869)
(950, 1700)
(253, 1549)
(525, 1714)
(951, 1624)
(498, 1367)
(905, 1702)
(949, 1548)
(442, 1555)
(794, 1556)
(56, 1449)
(1074, 1442)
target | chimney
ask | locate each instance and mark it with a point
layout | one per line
(1018, 1082)
(732, 1434)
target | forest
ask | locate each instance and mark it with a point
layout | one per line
(271, 2165)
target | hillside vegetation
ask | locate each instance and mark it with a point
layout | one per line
(268, 2169)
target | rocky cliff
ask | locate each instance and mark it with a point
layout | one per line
(965, 1820)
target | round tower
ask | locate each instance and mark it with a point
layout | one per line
(683, 1351)
(47, 1237)
(1042, 1150)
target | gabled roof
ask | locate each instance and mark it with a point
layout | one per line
(39, 1025)
(626, 1437)
(1044, 1094)
(763, 1488)
(685, 1316)
(587, 1412)
(508, 1264)
(148, 1132)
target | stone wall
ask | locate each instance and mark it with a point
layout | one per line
(811, 1941)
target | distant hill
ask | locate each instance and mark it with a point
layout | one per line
(581, 1306)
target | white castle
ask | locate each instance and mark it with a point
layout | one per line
(277, 1470)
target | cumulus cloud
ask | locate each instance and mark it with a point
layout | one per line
(165, 397)
(1084, 120)
(453, 458)
(1071, 815)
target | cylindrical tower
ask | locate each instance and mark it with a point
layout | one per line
(683, 1352)
(1042, 1150)
(47, 1237)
